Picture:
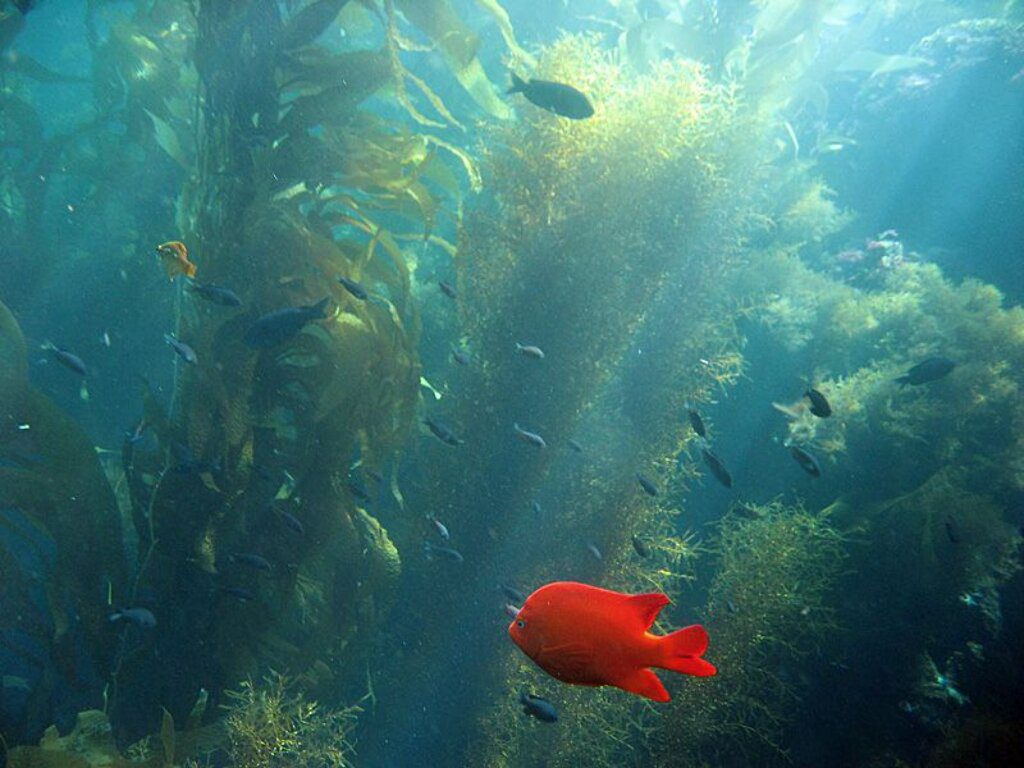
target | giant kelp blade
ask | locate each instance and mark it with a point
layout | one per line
(311, 22)
(459, 46)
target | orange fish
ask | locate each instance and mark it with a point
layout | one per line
(174, 257)
(590, 636)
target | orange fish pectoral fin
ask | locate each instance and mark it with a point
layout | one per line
(682, 651)
(643, 682)
(647, 607)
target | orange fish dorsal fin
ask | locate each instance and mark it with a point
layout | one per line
(644, 683)
(646, 607)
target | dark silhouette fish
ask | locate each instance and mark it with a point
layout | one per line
(279, 326)
(70, 361)
(460, 356)
(717, 467)
(293, 523)
(529, 437)
(559, 98)
(140, 617)
(575, 445)
(530, 350)
(696, 422)
(183, 350)
(807, 462)
(447, 553)
(442, 432)
(357, 490)
(512, 594)
(535, 706)
(640, 546)
(239, 593)
(448, 289)
(819, 404)
(215, 294)
(356, 289)
(649, 487)
(932, 369)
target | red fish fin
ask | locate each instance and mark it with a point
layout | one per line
(682, 651)
(647, 607)
(644, 683)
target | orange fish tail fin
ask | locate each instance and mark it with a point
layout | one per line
(682, 651)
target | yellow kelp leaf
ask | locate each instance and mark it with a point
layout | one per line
(475, 181)
(457, 43)
(500, 15)
(167, 737)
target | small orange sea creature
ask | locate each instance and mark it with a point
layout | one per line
(174, 257)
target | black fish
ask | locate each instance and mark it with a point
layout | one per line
(574, 444)
(183, 350)
(293, 522)
(187, 463)
(354, 288)
(215, 294)
(532, 438)
(535, 706)
(442, 432)
(807, 462)
(357, 490)
(432, 551)
(140, 617)
(512, 594)
(240, 593)
(559, 98)
(641, 546)
(951, 532)
(649, 488)
(67, 359)
(460, 357)
(252, 561)
(696, 422)
(717, 467)
(448, 289)
(932, 369)
(279, 326)
(819, 405)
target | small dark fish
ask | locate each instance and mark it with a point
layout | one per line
(189, 464)
(512, 611)
(592, 549)
(215, 294)
(441, 528)
(279, 326)
(932, 369)
(717, 467)
(951, 532)
(807, 462)
(461, 357)
(576, 446)
(649, 487)
(535, 506)
(641, 546)
(529, 437)
(356, 289)
(731, 606)
(535, 706)
(819, 405)
(183, 350)
(559, 98)
(140, 617)
(239, 593)
(696, 422)
(442, 432)
(512, 594)
(529, 350)
(357, 490)
(293, 522)
(374, 475)
(251, 560)
(137, 434)
(432, 551)
(448, 289)
(70, 361)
